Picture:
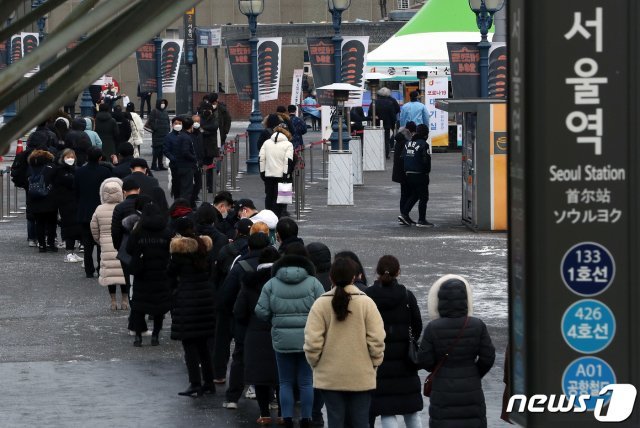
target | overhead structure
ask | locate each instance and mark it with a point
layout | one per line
(421, 44)
(77, 52)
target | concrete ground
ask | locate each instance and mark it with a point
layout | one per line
(66, 359)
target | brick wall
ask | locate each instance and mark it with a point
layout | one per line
(241, 110)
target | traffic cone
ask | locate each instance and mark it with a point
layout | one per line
(19, 148)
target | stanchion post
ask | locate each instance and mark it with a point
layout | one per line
(296, 182)
(3, 218)
(325, 159)
(205, 194)
(311, 163)
(8, 195)
(16, 209)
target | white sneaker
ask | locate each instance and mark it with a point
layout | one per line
(61, 244)
(80, 248)
(33, 243)
(251, 393)
(72, 258)
(144, 333)
(230, 405)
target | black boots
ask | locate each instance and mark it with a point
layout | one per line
(288, 422)
(155, 341)
(138, 341)
(209, 388)
(305, 423)
(194, 389)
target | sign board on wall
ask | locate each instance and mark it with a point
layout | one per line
(437, 88)
(296, 87)
(190, 54)
(209, 37)
(574, 217)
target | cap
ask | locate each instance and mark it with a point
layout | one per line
(245, 203)
(129, 184)
(138, 163)
(244, 226)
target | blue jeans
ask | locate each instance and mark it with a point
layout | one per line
(411, 420)
(347, 406)
(292, 368)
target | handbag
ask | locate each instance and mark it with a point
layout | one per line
(428, 382)
(414, 348)
(285, 193)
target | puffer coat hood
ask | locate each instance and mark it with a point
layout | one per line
(280, 135)
(320, 255)
(88, 124)
(111, 191)
(78, 124)
(451, 296)
(40, 158)
(186, 245)
(158, 102)
(293, 270)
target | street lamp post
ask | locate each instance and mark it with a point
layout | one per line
(252, 9)
(10, 111)
(337, 7)
(484, 10)
(42, 21)
(373, 87)
(157, 42)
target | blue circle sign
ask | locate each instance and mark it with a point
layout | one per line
(588, 269)
(588, 326)
(587, 376)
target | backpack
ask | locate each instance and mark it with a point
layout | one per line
(38, 188)
(245, 266)
(19, 171)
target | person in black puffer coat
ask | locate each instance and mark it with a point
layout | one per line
(260, 368)
(78, 140)
(398, 174)
(205, 217)
(158, 122)
(320, 256)
(42, 207)
(193, 318)
(64, 193)
(398, 389)
(149, 249)
(456, 397)
(107, 129)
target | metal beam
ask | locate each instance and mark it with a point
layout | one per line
(157, 15)
(77, 13)
(30, 18)
(58, 42)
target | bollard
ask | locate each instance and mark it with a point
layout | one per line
(246, 145)
(3, 218)
(223, 173)
(235, 164)
(16, 209)
(311, 163)
(205, 194)
(296, 185)
(303, 174)
(8, 195)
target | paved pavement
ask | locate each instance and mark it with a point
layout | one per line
(66, 360)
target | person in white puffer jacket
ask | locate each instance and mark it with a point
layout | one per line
(137, 129)
(276, 166)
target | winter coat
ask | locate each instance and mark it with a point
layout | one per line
(286, 300)
(456, 398)
(344, 354)
(398, 390)
(107, 129)
(120, 212)
(226, 256)
(320, 256)
(218, 238)
(259, 358)
(41, 162)
(276, 156)
(110, 268)
(398, 174)
(387, 110)
(148, 246)
(298, 129)
(124, 128)
(88, 181)
(122, 169)
(416, 156)
(414, 111)
(146, 183)
(209, 126)
(193, 309)
(178, 148)
(137, 129)
(159, 122)
(64, 193)
(289, 241)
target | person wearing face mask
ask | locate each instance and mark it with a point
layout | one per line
(225, 216)
(198, 146)
(64, 194)
(158, 124)
(209, 128)
(178, 148)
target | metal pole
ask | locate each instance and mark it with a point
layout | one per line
(16, 209)
(234, 166)
(297, 192)
(9, 213)
(325, 158)
(206, 68)
(255, 127)
(205, 194)
(484, 19)
(157, 41)
(374, 97)
(3, 218)
(10, 111)
(311, 162)
(339, 112)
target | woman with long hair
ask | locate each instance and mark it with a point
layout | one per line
(344, 343)
(398, 390)
(193, 319)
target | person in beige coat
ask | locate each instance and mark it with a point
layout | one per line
(344, 344)
(110, 268)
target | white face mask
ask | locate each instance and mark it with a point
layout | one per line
(177, 128)
(162, 106)
(214, 106)
(196, 125)
(70, 161)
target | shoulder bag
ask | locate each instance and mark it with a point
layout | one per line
(414, 348)
(428, 383)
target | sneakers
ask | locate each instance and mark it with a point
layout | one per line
(405, 220)
(72, 258)
(424, 223)
(220, 381)
(80, 248)
(32, 243)
(144, 333)
(251, 393)
(230, 405)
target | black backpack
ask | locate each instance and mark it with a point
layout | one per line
(38, 187)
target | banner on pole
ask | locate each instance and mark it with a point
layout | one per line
(296, 87)
(354, 57)
(170, 61)
(269, 64)
(239, 53)
(321, 58)
(437, 88)
(146, 60)
(209, 37)
(498, 70)
(191, 56)
(465, 71)
(30, 41)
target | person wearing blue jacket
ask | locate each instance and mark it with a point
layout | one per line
(285, 302)
(417, 166)
(178, 148)
(414, 111)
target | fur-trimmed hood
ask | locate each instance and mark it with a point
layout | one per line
(40, 158)
(292, 269)
(451, 296)
(129, 222)
(185, 245)
(111, 191)
(280, 134)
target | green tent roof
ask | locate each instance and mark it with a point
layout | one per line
(441, 16)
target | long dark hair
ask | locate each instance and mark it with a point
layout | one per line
(346, 254)
(186, 229)
(342, 272)
(388, 269)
